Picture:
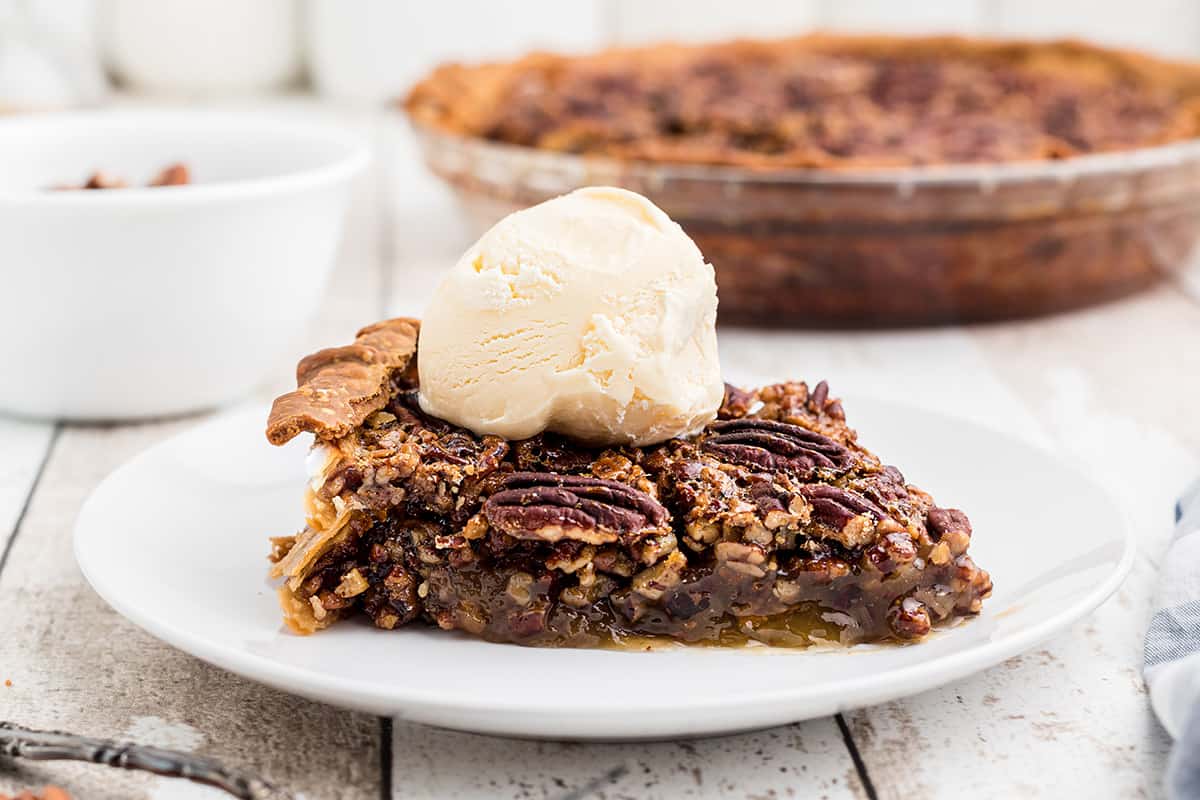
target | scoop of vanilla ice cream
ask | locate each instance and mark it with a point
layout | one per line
(592, 315)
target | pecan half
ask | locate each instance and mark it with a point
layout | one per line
(943, 521)
(851, 516)
(777, 446)
(887, 486)
(950, 528)
(552, 507)
(909, 618)
(835, 507)
(737, 403)
(819, 397)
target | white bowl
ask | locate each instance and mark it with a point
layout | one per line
(152, 301)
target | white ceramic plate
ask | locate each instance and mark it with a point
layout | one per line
(176, 541)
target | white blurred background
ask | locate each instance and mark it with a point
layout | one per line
(57, 53)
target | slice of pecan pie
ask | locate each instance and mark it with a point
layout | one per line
(772, 525)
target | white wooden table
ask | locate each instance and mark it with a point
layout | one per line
(1114, 389)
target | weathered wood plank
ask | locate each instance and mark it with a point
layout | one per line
(807, 760)
(1132, 363)
(23, 448)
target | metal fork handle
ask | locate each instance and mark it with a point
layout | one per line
(19, 742)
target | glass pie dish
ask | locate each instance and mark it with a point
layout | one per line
(883, 246)
(853, 180)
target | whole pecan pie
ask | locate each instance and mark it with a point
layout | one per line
(821, 101)
(772, 525)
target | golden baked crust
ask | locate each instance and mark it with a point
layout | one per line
(337, 388)
(821, 101)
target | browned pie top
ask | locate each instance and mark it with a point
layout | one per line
(337, 388)
(821, 101)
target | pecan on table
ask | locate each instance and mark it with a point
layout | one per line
(776, 446)
(551, 507)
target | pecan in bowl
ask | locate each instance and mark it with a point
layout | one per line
(171, 175)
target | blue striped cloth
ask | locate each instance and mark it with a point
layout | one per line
(1172, 656)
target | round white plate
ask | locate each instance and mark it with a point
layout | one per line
(176, 541)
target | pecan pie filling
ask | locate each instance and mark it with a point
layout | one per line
(771, 525)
